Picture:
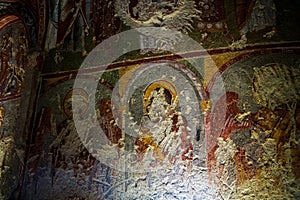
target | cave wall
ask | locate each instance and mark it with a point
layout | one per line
(255, 143)
(20, 62)
(224, 126)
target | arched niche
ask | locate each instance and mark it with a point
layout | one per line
(24, 13)
(23, 22)
(14, 49)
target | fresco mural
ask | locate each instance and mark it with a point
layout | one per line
(65, 18)
(251, 131)
(158, 126)
(13, 53)
(238, 151)
(170, 14)
(14, 49)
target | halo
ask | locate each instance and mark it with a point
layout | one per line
(67, 102)
(160, 84)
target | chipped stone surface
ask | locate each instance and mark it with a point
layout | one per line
(256, 146)
(9, 167)
(267, 150)
(194, 142)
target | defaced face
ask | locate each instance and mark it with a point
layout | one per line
(159, 105)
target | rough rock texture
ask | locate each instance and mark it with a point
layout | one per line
(257, 158)
(9, 167)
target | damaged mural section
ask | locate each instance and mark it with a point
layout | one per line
(255, 153)
(243, 145)
(13, 52)
(160, 153)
